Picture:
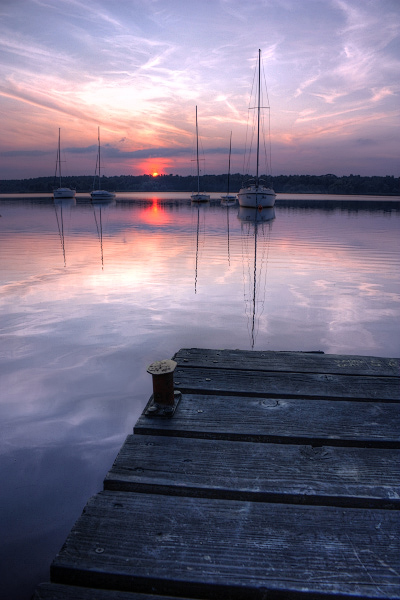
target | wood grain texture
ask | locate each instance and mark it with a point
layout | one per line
(280, 420)
(296, 362)
(277, 477)
(258, 472)
(198, 547)
(285, 385)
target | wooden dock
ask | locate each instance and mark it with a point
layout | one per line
(277, 477)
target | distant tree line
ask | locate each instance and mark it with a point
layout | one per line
(299, 184)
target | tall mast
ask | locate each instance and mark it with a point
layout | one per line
(197, 154)
(98, 138)
(258, 112)
(59, 155)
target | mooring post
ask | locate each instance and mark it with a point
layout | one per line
(162, 372)
(165, 398)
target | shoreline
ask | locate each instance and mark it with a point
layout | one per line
(281, 197)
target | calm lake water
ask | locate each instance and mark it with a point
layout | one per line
(91, 295)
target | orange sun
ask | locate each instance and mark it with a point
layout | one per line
(155, 174)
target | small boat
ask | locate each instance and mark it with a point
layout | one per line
(198, 196)
(99, 194)
(229, 199)
(61, 192)
(255, 194)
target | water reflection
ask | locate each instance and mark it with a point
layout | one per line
(256, 237)
(228, 205)
(200, 211)
(90, 295)
(99, 206)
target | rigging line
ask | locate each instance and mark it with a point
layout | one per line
(264, 261)
(59, 156)
(267, 152)
(249, 146)
(99, 232)
(203, 158)
(269, 162)
(57, 163)
(95, 173)
(270, 144)
(247, 151)
(246, 267)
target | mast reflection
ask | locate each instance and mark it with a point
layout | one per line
(100, 205)
(256, 226)
(200, 228)
(59, 205)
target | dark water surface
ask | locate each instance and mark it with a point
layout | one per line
(91, 295)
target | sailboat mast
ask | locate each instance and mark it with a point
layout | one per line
(197, 154)
(59, 155)
(98, 139)
(258, 113)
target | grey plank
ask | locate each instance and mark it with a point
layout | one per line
(218, 548)
(258, 472)
(299, 362)
(274, 384)
(56, 591)
(280, 420)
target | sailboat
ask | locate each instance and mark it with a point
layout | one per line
(61, 192)
(229, 198)
(198, 196)
(255, 194)
(99, 194)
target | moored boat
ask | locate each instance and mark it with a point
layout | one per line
(198, 196)
(255, 193)
(61, 192)
(99, 194)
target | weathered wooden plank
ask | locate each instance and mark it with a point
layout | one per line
(198, 547)
(56, 591)
(287, 385)
(280, 420)
(297, 362)
(258, 472)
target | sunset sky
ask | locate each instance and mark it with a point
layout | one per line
(138, 68)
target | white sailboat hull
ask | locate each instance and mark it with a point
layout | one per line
(256, 197)
(102, 195)
(199, 197)
(63, 193)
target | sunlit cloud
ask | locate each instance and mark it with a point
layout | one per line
(331, 97)
(139, 69)
(379, 94)
(305, 84)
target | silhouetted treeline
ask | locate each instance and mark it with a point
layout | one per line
(300, 184)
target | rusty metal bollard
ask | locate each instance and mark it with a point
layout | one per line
(164, 399)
